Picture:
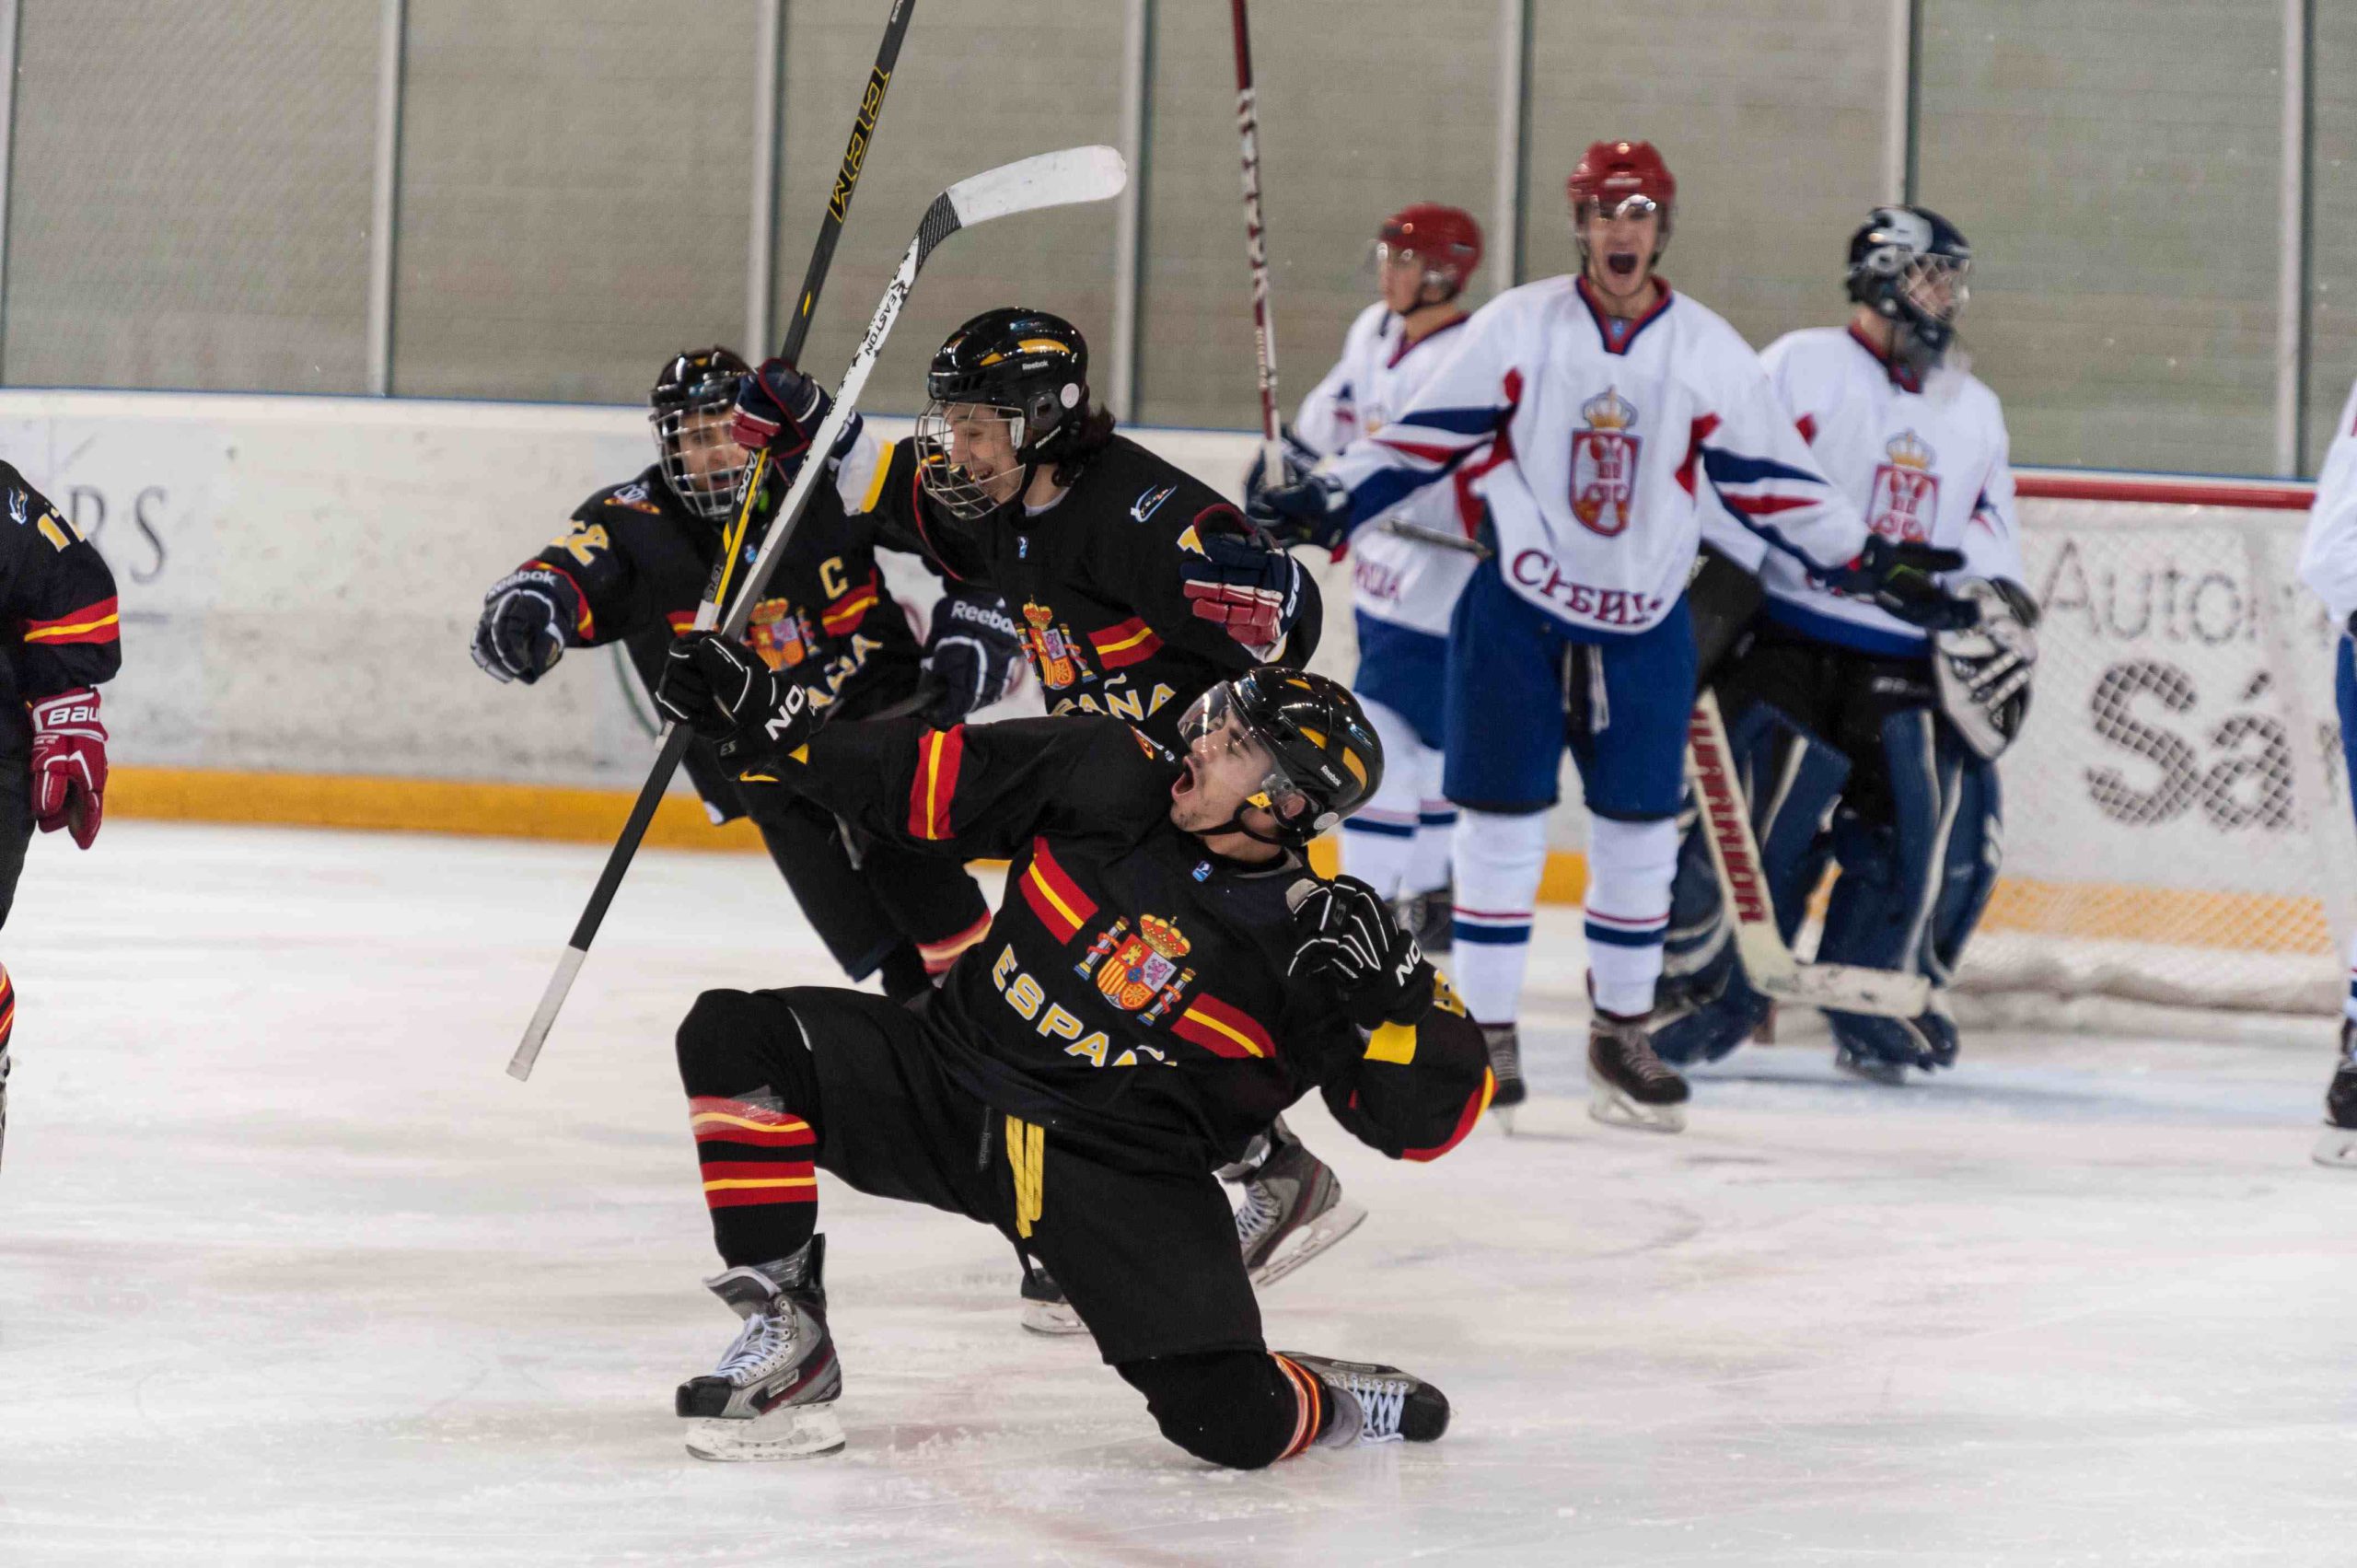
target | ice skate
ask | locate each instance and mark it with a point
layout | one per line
(1293, 1210)
(1505, 1066)
(2338, 1143)
(772, 1394)
(1045, 1311)
(1627, 1084)
(1430, 918)
(1874, 1069)
(1375, 1403)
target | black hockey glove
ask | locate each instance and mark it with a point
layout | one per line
(1297, 460)
(974, 655)
(728, 695)
(780, 409)
(521, 634)
(1247, 586)
(1900, 577)
(1348, 934)
(1315, 510)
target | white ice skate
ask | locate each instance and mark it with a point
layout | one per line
(1045, 1311)
(772, 1394)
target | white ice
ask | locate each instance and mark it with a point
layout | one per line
(291, 1273)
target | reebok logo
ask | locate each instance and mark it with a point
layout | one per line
(983, 616)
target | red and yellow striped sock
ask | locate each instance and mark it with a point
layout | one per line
(1310, 1396)
(759, 1181)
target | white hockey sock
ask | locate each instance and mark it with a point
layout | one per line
(1428, 862)
(1499, 861)
(1379, 838)
(1630, 865)
(2349, 1003)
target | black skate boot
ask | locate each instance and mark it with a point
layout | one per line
(1505, 1066)
(1627, 1084)
(1373, 1404)
(1045, 1311)
(1292, 1209)
(772, 1396)
(2338, 1145)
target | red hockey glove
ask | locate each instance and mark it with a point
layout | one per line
(1246, 585)
(69, 764)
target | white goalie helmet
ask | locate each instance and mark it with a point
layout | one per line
(1983, 671)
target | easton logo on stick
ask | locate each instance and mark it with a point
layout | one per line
(1724, 809)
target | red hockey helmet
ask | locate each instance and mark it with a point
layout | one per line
(1445, 240)
(1616, 174)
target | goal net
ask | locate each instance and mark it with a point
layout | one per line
(2178, 827)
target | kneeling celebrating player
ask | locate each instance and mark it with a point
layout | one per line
(1163, 978)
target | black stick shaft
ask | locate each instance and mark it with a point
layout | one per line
(678, 738)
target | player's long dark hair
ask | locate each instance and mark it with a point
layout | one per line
(1089, 436)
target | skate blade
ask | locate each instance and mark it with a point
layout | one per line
(1307, 1242)
(1890, 1074)
(2336, 1146)
(1053, 1318)
(790, 1432)
(1610, 1106)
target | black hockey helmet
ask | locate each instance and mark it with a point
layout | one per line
(1030, 367)
(1325, 760)
(694, 396)
(1909, 265)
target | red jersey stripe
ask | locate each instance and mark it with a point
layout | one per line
(1474, 1106)
(96, 622)
(936, 785)
(1119, 647)
(1222, 1030)
(1054, 895)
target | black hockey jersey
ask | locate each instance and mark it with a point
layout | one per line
(1093, 582)
(641, 562)
(1132, 997)
(58, 598)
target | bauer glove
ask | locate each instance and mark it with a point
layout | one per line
(1348, 936)
(69, 764)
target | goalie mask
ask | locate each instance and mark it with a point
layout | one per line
(1983, 671)
(1909, 266)
(690, 407)
(1313, 756)
(1003, 392)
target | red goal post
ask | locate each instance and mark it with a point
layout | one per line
(2177, 825)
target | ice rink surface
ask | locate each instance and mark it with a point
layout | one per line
(292, 1274)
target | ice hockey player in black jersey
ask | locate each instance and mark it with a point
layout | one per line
(59, 600)
(1163, 977)
(1134, 587)
(632, 569)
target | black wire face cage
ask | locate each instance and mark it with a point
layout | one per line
(1922, 291)
(957, 492)
(685, 432)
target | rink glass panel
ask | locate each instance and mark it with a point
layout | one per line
(2117, 167)
(976, 88)
(1363, 111)
(1773, 119)
(2333, 225)
(575, 176)
(189, 197)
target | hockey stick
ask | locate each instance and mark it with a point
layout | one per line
(1768, 962)
(797, 331)
(1050, 179)
(1256, 247)
(1401, 528)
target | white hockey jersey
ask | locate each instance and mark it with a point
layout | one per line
(1926, 467)
(1601, 435)
(2329, 553)
(1393, 578)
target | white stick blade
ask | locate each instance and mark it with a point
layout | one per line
(536, 1034)
(1050, 179)
(1846, 988)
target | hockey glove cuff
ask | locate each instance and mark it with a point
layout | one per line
(778, 410)
(522, 631)
(729, 695)
(974, 655)
(1316, 510)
